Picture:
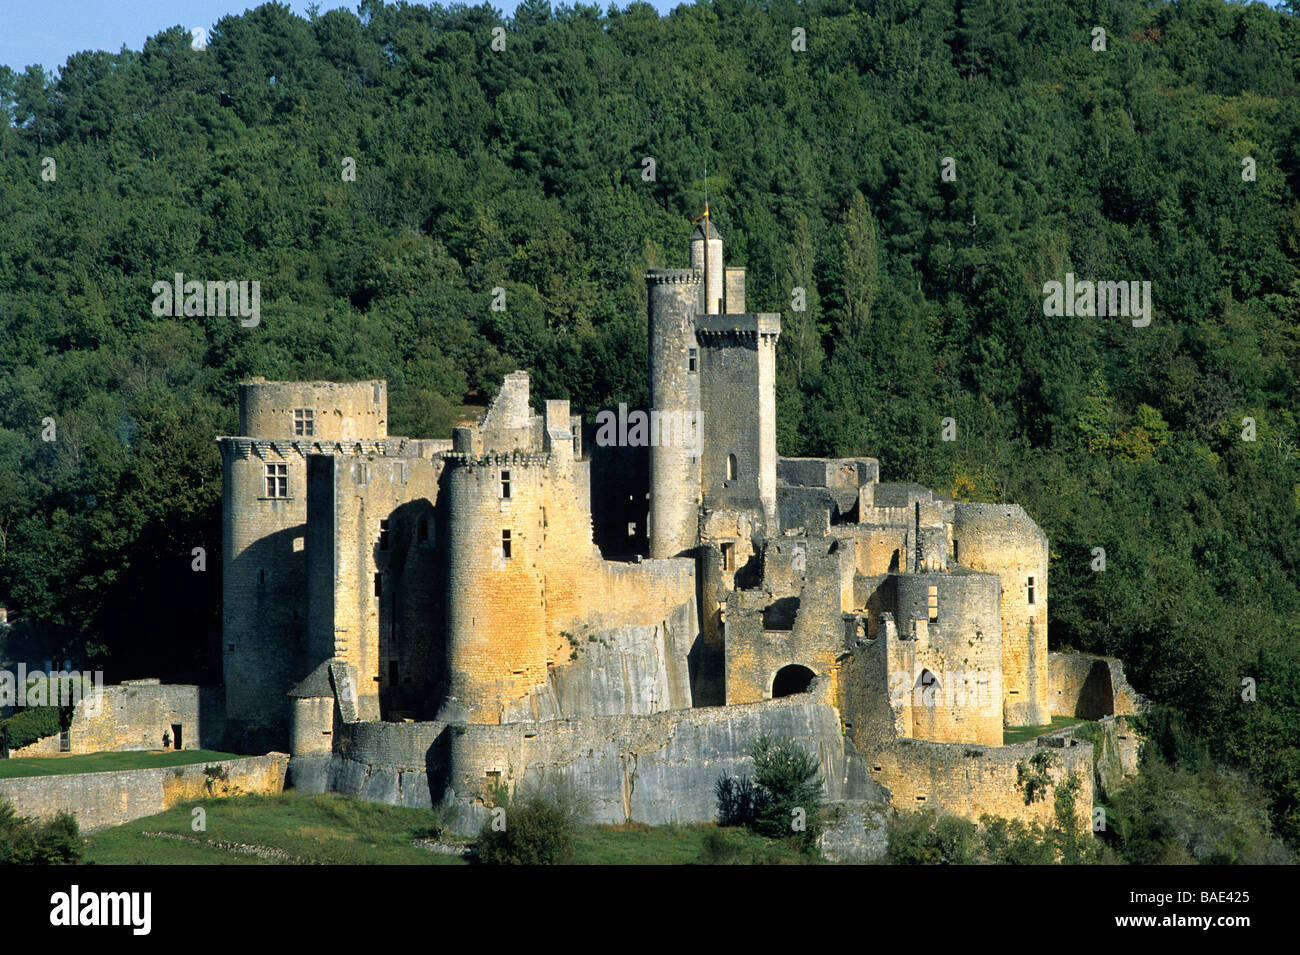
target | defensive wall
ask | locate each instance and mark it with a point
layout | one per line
(655, 769)
(98, 800)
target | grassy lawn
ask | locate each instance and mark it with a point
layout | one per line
(1020, 734)
(695, 844)
(310, 830)
(338, 830)
(105, 762)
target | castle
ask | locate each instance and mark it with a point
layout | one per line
(419, 619)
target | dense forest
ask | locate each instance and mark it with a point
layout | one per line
(920, 168)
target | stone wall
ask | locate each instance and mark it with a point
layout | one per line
(135, 715)
(970, 780)
(1090, 687)
(372, 542)
(98, 800)
(655, 769)
(792, 619)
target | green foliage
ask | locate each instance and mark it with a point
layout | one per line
(784, 799)
(32, 724)
(24, 841)
(1032, 776)
(929, 838)
(735, 800)
(523, 172)
(538, 825)
(932, 838)
(1192, 813)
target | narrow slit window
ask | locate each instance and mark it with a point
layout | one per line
(728, 556)
(932, 602)
(731, 467)
(505, 485)
(1030, 589)
(692, 359)
(505, 544)
(383, 535)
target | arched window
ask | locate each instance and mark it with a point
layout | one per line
(731, 467)
(927, 689)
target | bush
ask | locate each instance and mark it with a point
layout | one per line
(534, 827)
(788, 787)
(735, 800)
(32, 724)
(928, 838)
(784, 799)
(26, 841)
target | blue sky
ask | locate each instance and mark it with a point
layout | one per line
(49, 31)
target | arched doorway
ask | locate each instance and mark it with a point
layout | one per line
(792, 679)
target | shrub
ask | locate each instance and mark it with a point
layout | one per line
(784, 799)
(735, 800)
(32, 724)
(536, 827)
(928, 838)
(26, 841)
(788, 786)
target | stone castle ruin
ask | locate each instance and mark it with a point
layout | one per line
(419, 620)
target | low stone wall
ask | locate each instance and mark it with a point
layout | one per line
(99, 800)
(970, 780)
(49, 746)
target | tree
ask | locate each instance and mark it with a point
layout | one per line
(860, 268)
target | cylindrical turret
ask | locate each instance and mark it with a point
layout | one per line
(324, 410)
(496, 631)
(674, 301)
(716, 274)
(263, 583)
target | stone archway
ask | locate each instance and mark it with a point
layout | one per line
(792, 679)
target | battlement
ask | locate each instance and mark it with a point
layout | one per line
(673, 277)
(491, 459)
(740, 328)
(244, 448)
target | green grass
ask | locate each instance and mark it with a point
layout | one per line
(105, 762)
(339, 830)
(1021, 734)
(312, 830)
(700, 843)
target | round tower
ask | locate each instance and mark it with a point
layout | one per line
(710, 265)
(673, 302)
(496, 630)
